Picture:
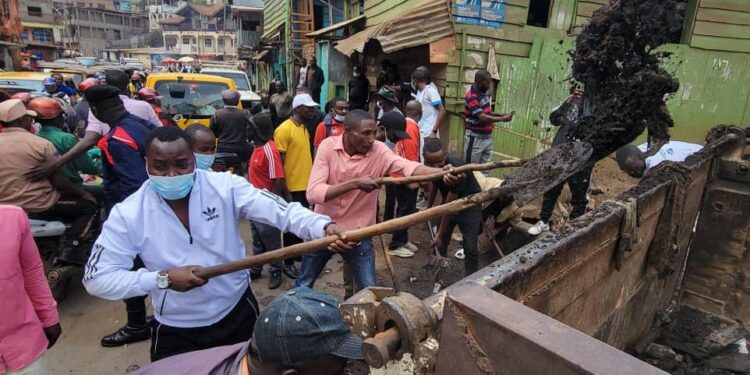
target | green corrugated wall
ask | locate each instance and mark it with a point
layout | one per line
(533, 64)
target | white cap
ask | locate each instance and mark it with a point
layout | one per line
(13, 109)
(304, 100)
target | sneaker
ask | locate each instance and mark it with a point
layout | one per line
(458, 237)
(275, 280)
(411, 247)
(539, 228)
(291, 271)
(401, 252)
(460, 254)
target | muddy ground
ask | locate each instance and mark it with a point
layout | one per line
(85, 319)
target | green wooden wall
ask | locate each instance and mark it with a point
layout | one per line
(720, 25)
(533, 64)
(275, 14)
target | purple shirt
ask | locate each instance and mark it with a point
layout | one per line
(135, 107)
(221, 360)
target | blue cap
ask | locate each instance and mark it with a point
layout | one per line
(303, 324)
(49, 81)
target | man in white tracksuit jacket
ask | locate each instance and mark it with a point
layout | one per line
(181, 217)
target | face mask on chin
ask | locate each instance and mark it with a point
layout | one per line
(173, 187)
(204, 161)
(339, 118)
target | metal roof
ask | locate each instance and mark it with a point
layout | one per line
(248, 4)
(428, 22)
(335, 27)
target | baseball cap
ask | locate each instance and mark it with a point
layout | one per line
(304, 100)
(49, 81)
(396, 123)
(13, 109)
(303, 324)
(388, 94)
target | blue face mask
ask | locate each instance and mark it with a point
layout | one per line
(204, 161)
(390, 144)
(174, 187)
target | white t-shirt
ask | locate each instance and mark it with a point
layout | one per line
(672, 151)
(429, 97)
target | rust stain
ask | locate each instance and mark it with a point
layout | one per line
(483, 362)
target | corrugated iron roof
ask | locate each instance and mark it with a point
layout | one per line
(172, 20)
(248, 3)
(428, 22)
(335, 27)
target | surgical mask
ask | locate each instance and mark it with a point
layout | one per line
(173, 187)
(339, 118)
(390, 144)
(356, 74)
(204, 161)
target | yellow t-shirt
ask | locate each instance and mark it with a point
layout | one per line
(294, 140)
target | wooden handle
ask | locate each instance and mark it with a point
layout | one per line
(439, 175)
(380, 349)
(403, 222)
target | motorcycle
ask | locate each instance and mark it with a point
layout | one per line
(49, 236)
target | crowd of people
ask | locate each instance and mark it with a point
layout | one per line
(311, 171)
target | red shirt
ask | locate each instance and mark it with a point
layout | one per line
(265, 166)
(27, 306)
(320, 132)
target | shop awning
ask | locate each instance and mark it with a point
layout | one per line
(428, 22)
(335, 27)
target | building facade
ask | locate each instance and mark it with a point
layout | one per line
(10, 35)
(92, 30)
(41, 29)
(201, 31)
(159, 10)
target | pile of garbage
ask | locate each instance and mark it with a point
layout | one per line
(693, 342)
(616, 59)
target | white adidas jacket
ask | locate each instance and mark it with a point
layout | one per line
(144, 225)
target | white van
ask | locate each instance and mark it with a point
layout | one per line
(248, 97)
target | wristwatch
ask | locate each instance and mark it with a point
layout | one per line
(162, 280)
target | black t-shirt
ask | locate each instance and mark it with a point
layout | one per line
(469, 185)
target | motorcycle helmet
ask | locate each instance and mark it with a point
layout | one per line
(147, 94)
(23, 96)
(50, 85)
(45, 108)
(86, 84)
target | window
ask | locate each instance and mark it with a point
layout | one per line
(220, 42)
(185, 40)
(25, 35)
(85, 32)
(116, 34)
(80, 4)
(208, 42)
(34, 11)
(539, 13)
(42, 35)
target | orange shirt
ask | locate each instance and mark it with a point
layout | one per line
(410, 147)
(320, 132)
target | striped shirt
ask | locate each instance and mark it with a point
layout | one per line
(265, 166)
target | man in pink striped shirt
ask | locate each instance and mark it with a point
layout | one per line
(342, 185)
(29, 324)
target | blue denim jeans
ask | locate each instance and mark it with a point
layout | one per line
(360, 259)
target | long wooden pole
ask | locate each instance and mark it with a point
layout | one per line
(403, 222)
(462, 169)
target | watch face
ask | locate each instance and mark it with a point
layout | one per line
(162, 281)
